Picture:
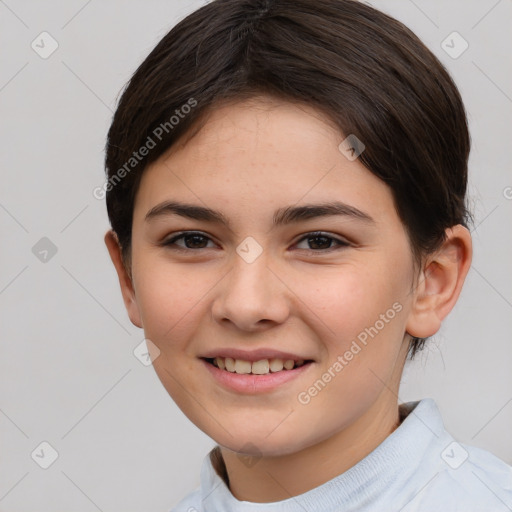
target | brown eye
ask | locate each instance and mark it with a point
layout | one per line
(191, 240)
(322, 242)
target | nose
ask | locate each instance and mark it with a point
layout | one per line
(252, 297)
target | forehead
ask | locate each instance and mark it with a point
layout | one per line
(259, 155)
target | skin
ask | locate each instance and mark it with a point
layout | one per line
(309, 298)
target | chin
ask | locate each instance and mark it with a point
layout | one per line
(260, 444)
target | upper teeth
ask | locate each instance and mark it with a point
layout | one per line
(260, 367)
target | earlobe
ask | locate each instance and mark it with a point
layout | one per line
(440, 283)
(125, 281)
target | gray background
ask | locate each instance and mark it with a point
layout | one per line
(68, 375)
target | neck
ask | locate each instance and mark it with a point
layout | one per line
(277, 478)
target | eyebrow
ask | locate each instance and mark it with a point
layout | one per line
(282, 216)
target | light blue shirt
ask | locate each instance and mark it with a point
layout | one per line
(417, 468)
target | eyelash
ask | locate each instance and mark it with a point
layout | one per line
(315, 234)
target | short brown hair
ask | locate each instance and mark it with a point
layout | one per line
(365, 70)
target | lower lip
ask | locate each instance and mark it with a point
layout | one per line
(250, 383)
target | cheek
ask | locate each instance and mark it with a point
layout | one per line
(347, 300)
(365, 321)
(361, 315)
(169, 299)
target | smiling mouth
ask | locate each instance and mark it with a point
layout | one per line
(261, 367)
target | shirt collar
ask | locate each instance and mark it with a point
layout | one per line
(389, 465)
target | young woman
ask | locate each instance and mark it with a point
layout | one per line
(286, 188)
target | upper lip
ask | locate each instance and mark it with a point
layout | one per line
(252, 355)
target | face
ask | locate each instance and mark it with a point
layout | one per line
(268, 278)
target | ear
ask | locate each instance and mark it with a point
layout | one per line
(440, 283)
(125, 281)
